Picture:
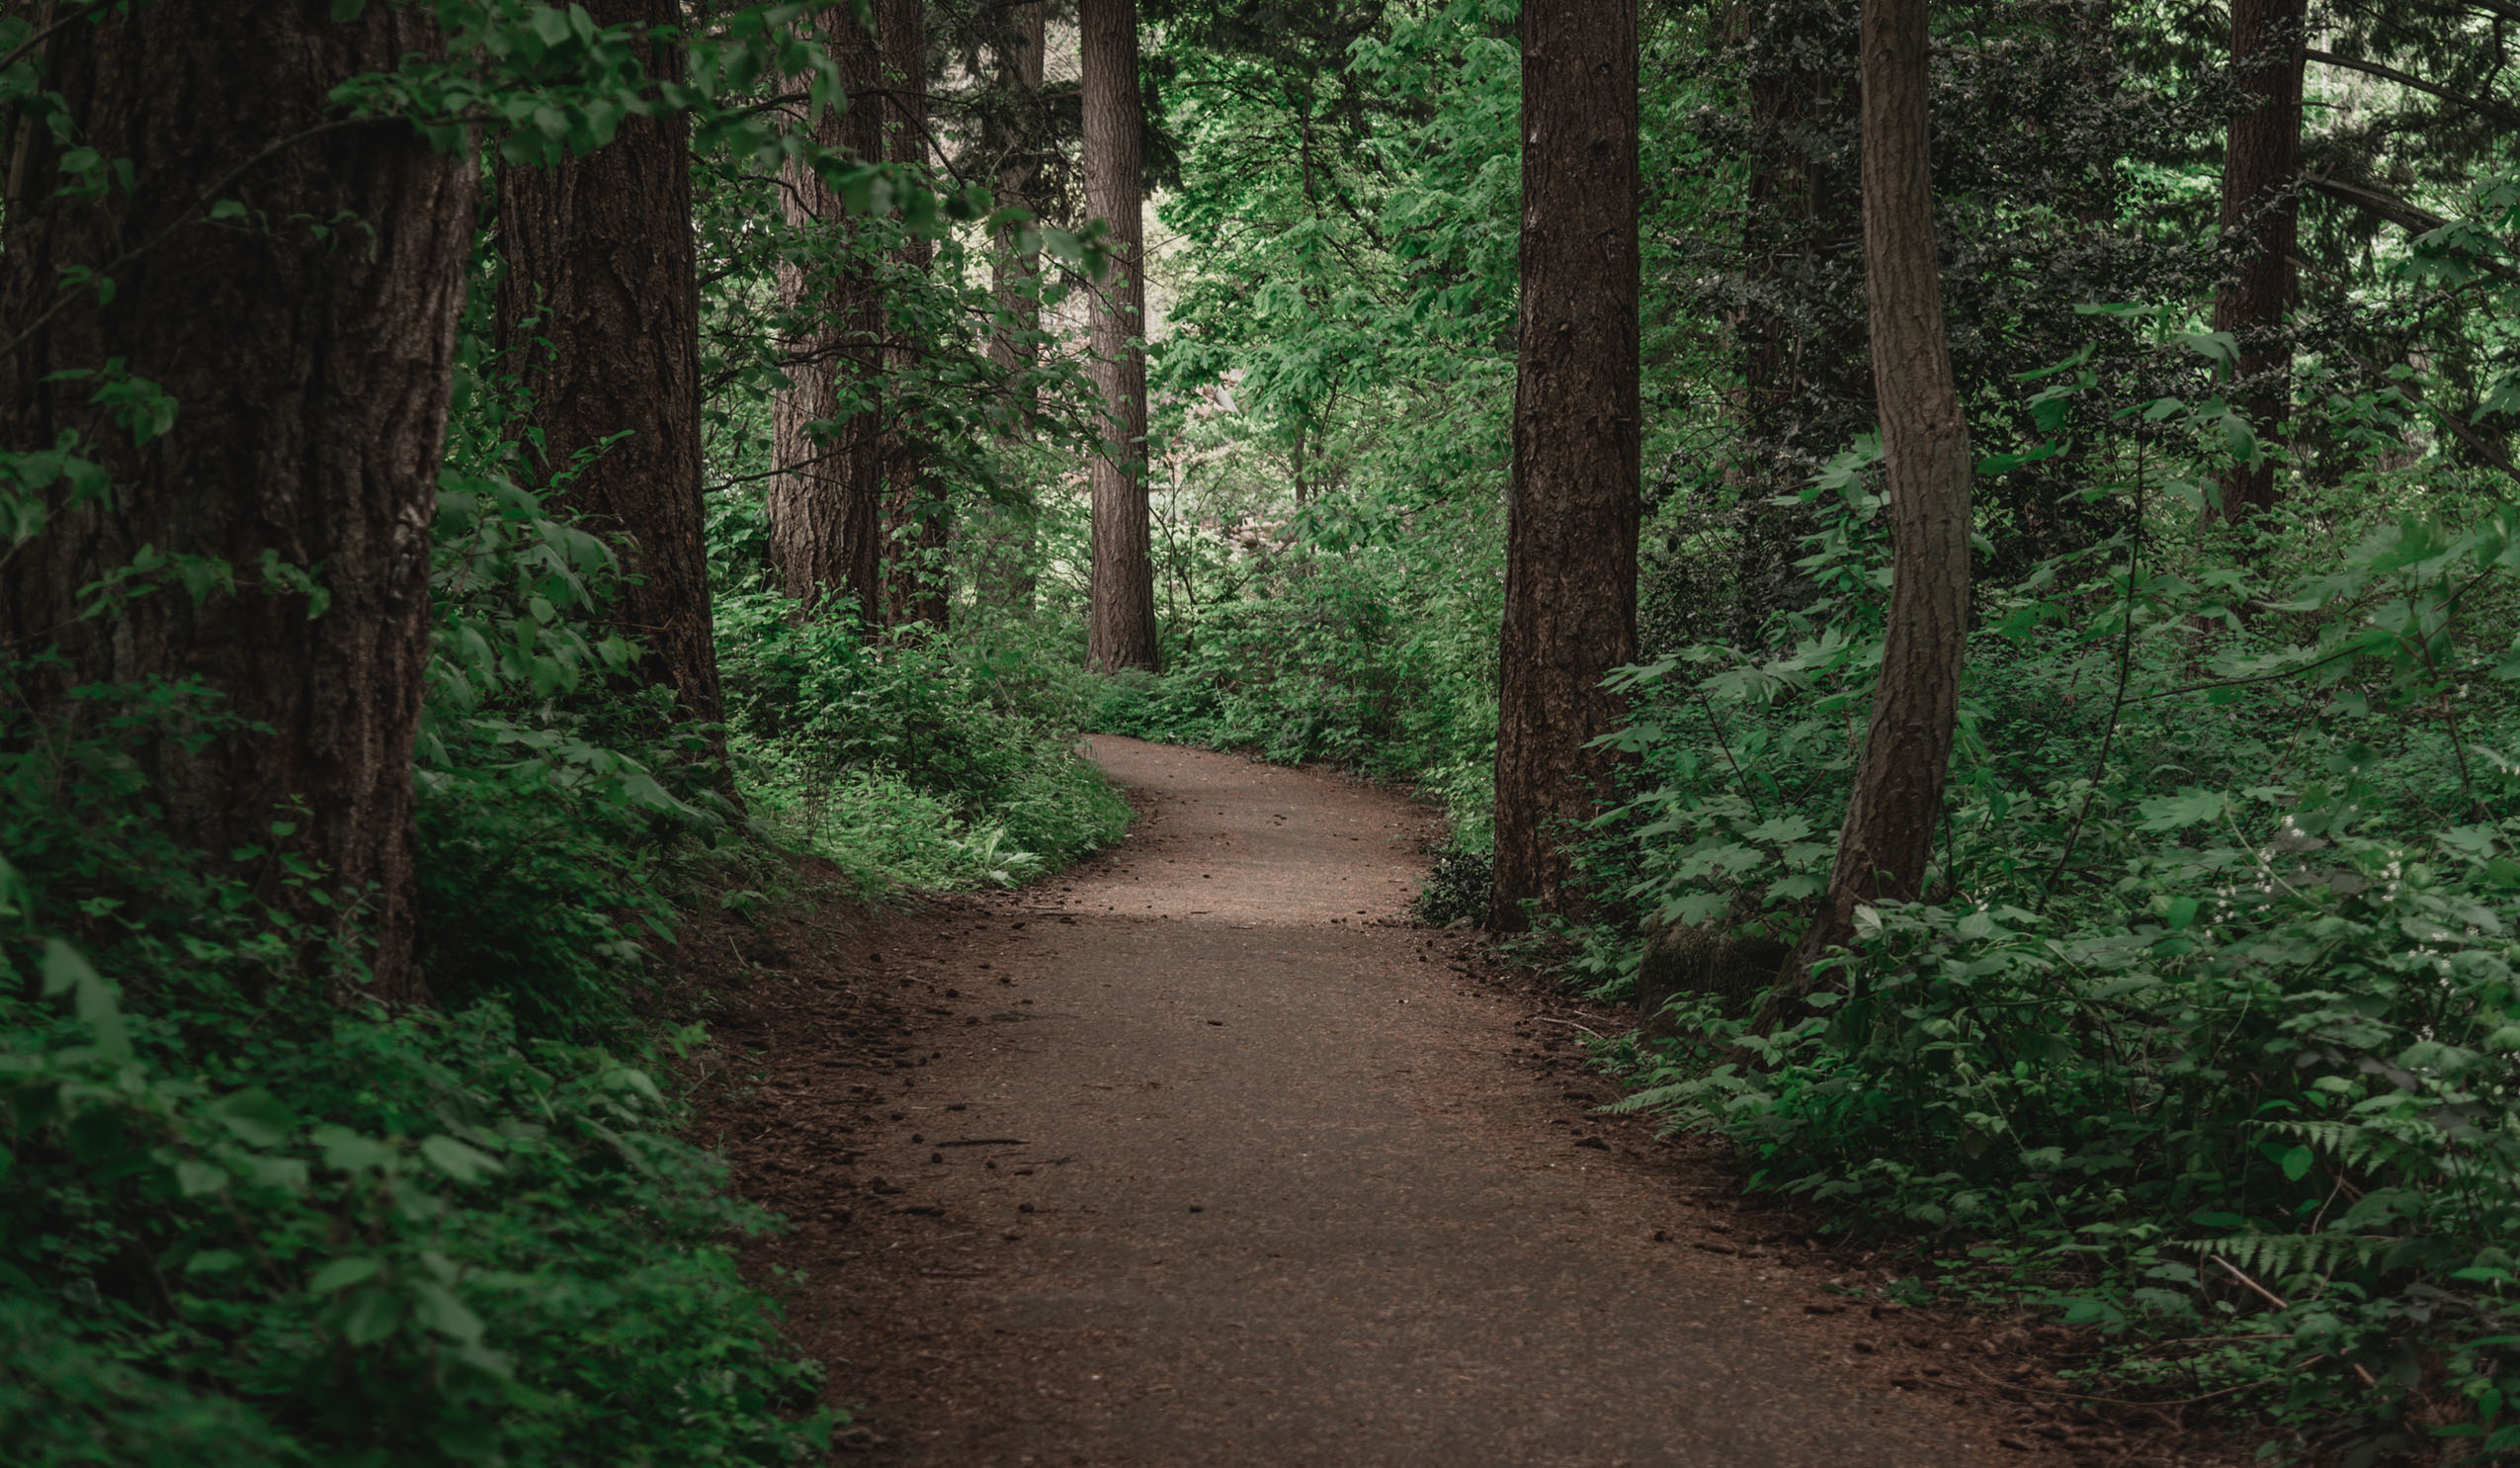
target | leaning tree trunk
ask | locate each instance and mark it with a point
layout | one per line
(1121, 622)
(1007, 549)
(2261, 214)
(1883, 847)
(827, 529)
(918, 528)
(1571, 557)
(598, 310)
(310, 342)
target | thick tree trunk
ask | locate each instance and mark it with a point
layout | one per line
(1120, 623)
(1883, 847)
(599, 311)
(1010, 545)
(1570, 569)
(313, 369)
(918, 528)
(2261, 178)
(826, 528)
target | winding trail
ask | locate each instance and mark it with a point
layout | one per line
(1207, 1159)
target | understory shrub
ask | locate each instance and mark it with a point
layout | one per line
(241, 1222)
(2205, 1031)
(1367, 657)
(909, 761)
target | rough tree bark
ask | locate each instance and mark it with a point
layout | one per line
(1888, 836)
(313, 369)
(598, 310)
(1120, 623)
(827, 529)
(1570, 568)
(2261, 177)
(917, 523)
(1010, 544)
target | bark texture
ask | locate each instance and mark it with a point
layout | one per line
(1883, 847)
(599, 310)
(826, 528)
(2262, 215)
(312, 373)
(1008, 545)
(1120, 623)
(917, 520)
(1570, 569)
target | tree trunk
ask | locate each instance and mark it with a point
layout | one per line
(1570, 567)
(598, 310)
(826, 528)
(918, 528)
(2262, 215)
(1010, 546)
(1121, 624)
(1883, 847)
(312, 367)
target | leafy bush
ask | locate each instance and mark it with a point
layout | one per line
(909, 762)
(1352, 653)
(240, 1224)
(2208, 1016)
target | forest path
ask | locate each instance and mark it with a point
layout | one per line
(1209, 1162)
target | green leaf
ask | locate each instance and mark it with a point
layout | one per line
(373, 1314)
(2177, 812)
(436, 1307)
(456, 1160)
(199, 1178)
(349, 1152)
(64, 969)
(2296, 1163)
(256, 1117)
(341, 1274)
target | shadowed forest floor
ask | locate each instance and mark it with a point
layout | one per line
(1203, 1155)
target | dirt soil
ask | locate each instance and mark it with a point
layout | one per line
(1204, 1155)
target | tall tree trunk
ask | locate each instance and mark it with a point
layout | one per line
(1570, 559)
(312, 365)
(1888, 837)
(2261, 178)
(826, 526)
(1010, 545)
(1120, 623)
(599, 307)
(918, 528)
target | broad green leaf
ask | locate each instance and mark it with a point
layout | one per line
(256, 1117)
(2177, 812)
(456, 1160)
(341, 1274)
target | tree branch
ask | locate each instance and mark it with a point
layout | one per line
(2481, 106)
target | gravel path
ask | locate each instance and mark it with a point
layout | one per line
(1209, 1159)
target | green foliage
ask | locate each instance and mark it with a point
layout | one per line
(909, 761)
(2211, 1001)
(235, 1219)
(1366, 652)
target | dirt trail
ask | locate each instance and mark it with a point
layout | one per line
(1209, 1160)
